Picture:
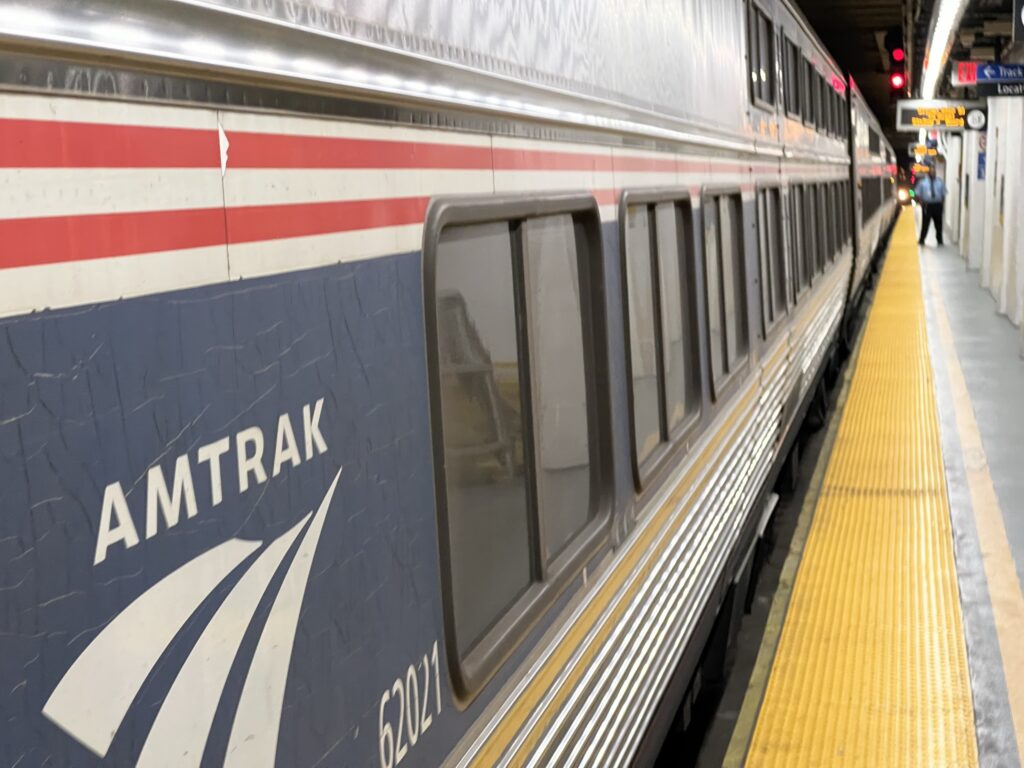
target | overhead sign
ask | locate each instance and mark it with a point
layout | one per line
(1000, 73)
(940, 115)
(921, 149)
(1001, 89)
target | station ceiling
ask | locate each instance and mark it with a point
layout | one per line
(854, 31)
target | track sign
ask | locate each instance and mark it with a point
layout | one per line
(940, 115)
(1000, 73)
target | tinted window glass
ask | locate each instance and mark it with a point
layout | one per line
(559, 379)
(481, 407)
(716, 331)
(792, 77)
(810, 218)
(727, 318)
(676, 312)
(761, 53)
(765, 257)
(642, 342)
(806, 95)
(796, 239)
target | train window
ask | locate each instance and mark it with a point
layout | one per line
(772, 257)
(657, 240)
(827, 224)
(874, 142)
(481, 406)
(818, 84)
(726, 285)
(519, 460)
(840, 225)
(761, 39)
(848, 213)
(806, 91)
(796, 242)
(791, 74)
(810, 219)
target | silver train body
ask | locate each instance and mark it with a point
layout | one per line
(402, 382)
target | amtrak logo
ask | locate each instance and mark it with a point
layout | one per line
(91, 700)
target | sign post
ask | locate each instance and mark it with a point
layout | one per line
(940, 115)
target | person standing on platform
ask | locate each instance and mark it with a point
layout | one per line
(931, 193)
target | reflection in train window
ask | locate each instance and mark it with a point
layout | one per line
(559, 385)
(724, 265)
(657, 255)
(481, 406)
(810, 219)
(520, 464)
(761, 39)
(772, 257)
(806, 91)
(791, 77)
(797, 244)
(825, 224)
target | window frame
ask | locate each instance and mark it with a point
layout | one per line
(673, 438)
(471, 672)
(726, 384)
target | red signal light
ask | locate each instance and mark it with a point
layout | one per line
(897, 80)
(898, 54)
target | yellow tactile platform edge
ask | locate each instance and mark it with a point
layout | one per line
(871, 668)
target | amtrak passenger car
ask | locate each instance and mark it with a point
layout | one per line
(402, 383)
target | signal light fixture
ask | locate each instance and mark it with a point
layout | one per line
(897, 80)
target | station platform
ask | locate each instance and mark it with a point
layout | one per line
(903, 635)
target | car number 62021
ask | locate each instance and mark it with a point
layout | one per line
(408, 701)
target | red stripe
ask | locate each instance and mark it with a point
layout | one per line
(274, 222)
(50, 144)
(543, 160)
(652, 164)
(53, 239)
(269, 150)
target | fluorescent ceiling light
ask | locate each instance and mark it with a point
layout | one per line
(945, 20)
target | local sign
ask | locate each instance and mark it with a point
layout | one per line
(940, 115)
(1001, 89)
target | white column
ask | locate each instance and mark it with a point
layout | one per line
(975, 200)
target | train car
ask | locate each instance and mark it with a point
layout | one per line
(401, 383)
(873, 172)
